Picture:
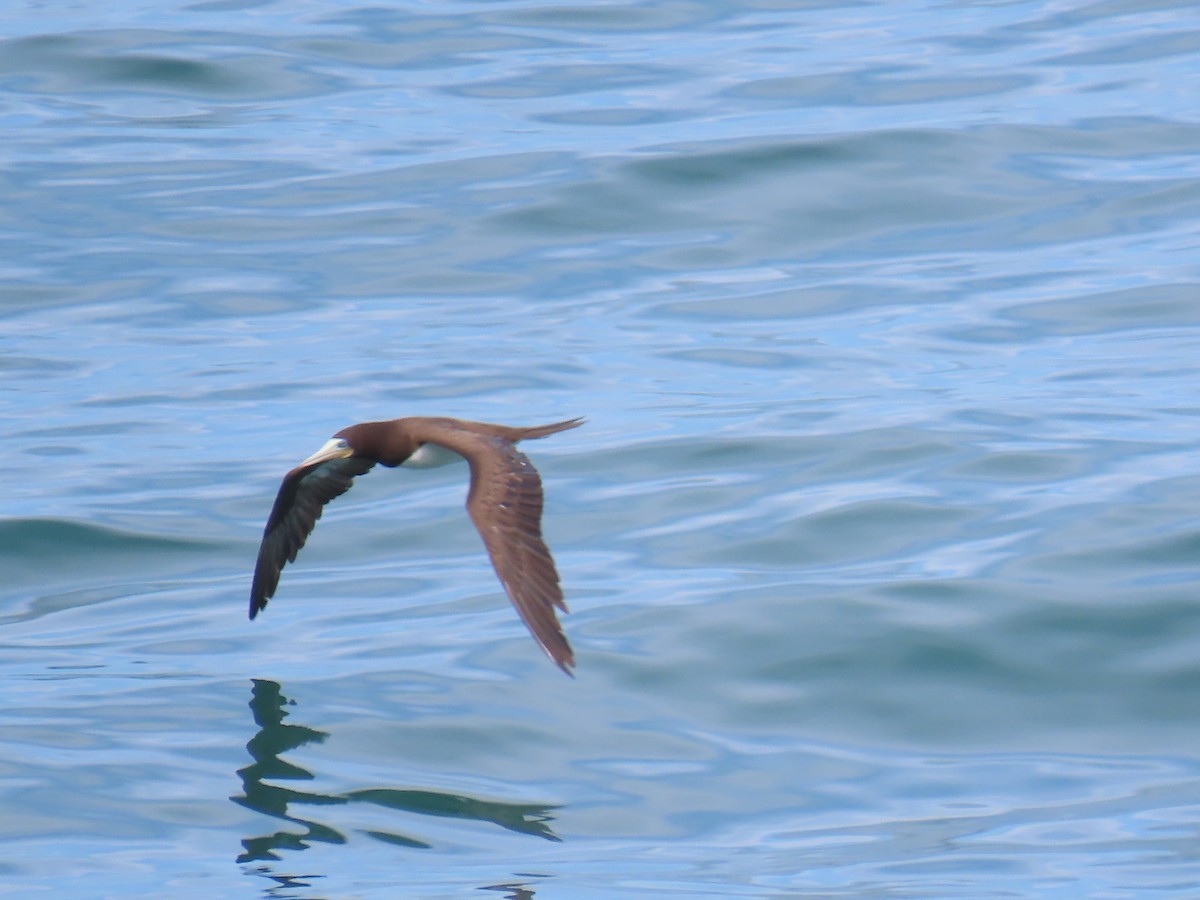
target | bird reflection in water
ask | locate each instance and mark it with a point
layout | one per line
(515, 891)
(275, 738)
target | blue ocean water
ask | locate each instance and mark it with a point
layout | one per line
(882, 540)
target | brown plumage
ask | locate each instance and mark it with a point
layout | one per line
(505, 503)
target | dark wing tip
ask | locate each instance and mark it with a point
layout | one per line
(272, 555)
(547, 630)
(302, 496)
(266, 577)
(567, 663)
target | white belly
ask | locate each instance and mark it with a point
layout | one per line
(430, 456)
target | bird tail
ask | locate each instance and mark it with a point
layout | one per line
(540, 431)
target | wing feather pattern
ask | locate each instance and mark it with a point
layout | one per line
(505, 503)
(301, 500)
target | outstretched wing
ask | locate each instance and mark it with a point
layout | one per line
(300, 502)
(505, 503)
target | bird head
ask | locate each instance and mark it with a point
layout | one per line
(336, 447)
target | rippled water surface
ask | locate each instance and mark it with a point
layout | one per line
(882, 540)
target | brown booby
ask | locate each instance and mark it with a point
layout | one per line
(505, 503)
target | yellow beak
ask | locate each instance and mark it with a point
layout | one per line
(334, 448)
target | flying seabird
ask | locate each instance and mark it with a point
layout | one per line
(505, 503)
